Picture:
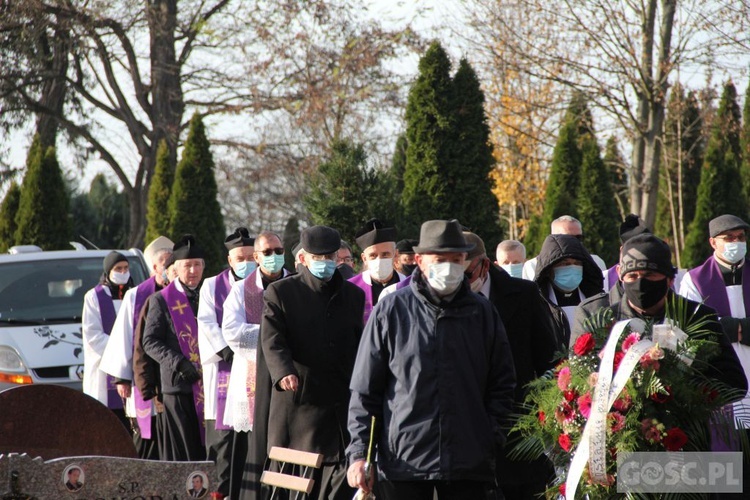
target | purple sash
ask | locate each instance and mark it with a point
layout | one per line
(221, 291)
(612, 276)
(142, 408)
(186, 327)
(709, 281)
(253, 314)
(108, 315)
(361, 283)
(403, 283)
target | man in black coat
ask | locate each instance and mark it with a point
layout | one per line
(310, 330)
(528, 324)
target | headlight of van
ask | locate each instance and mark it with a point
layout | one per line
(12, 369)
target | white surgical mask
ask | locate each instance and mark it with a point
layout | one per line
(380, 269)
(477, 284)
(515, 270)
(734, 251)
(119, 278)
(445, 277)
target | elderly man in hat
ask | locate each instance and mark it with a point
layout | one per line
(100, 306)
(529, 326)
(378, 245)
(647, 274)
(117, 359)
(435, 370)
(170, 337)
(216, 355)
(310, 329)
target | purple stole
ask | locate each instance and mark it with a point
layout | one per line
(221, 291)
(612, 277)
(142, 408)
(108, 315)
(253, 314)
(361, 283)
(186, 327)
(403, 283)
(709, 281)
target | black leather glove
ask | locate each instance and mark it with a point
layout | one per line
(188, 372)
(226, 354)
(730, 326)
(148, 394)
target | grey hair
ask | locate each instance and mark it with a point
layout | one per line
(565, 218)
(510, 246)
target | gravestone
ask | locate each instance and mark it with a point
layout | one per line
(57, 443)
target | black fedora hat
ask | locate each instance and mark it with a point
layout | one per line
(439, 236)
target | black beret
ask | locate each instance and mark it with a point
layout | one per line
(373, 233)
(406, 246)
(632, 226)
(239, 238)
(646, 252)
(111, 261)
(724, 223)
(320, 240)
(186, 248)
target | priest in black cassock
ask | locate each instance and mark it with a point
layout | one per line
(170, 337)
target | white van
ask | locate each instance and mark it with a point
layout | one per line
(41, 302)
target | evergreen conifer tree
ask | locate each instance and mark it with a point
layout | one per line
(193, 207)
(42, 217)
(745, 143)
(157, 210)
(720, 189)
(429, 130)
(472, 201)
(8, 210)
(398, 166)
(596, 205)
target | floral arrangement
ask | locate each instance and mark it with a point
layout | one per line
(662, 403)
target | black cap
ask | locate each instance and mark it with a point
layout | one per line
(373, 233)
(186, 248)
(170, 261)
(320, 240)
(632, 226)
(439, 236)
(646, 252)
(724, 223)
(111, 261)
(406, 246)
(239, 238)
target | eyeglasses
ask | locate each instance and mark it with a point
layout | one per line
(269, 251)
(731, 238)
(346, 260)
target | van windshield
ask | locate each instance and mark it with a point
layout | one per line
(50, 291)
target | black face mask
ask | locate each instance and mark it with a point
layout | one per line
(407, 269)
(644, 293)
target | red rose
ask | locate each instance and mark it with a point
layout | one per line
(541, 417)
(570, 395)
(675, 439)
(564, 442)
(584, 344)
(659, 397)
(562, 489)
(618, 359)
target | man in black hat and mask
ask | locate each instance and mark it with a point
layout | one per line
(404, 261)
(647, 274)
(170, 337)
(216, 355)
(435, 370)
(310, 329)
(100, 307)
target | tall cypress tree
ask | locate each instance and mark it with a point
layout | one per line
(398, 166)
(471, 200)
(8, 211)
(429, 129)
(596, 205)
(720, 190)
(193, 207)
(42, 217)
(157, 211)
(745, 142)
(683, 148)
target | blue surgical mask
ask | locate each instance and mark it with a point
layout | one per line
(734, 251)
(244, 269)
(322, 269)
(164, 277)
(515, 270)
(567, 278)
(272, 263)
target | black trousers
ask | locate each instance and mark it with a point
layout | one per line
(219, 445)
(430, 490)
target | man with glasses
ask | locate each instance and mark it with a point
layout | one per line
(723, 283)
(345, 261)
(378, 246)
(310, 329)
